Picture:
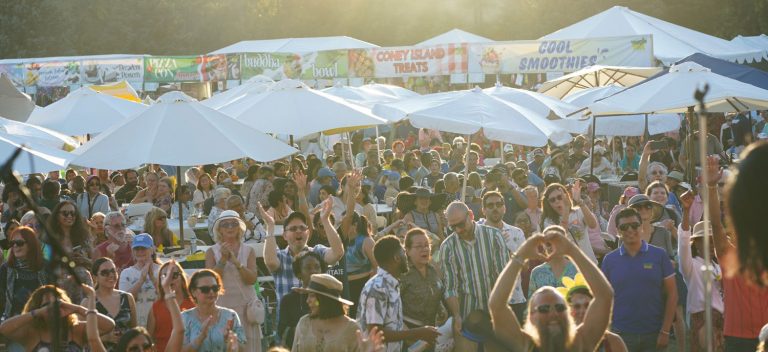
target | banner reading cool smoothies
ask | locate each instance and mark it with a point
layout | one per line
(539, 56)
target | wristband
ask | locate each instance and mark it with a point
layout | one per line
(517, 260)
(170, 295)
(91, 311)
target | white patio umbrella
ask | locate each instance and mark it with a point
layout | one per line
(388, 89)
(596, 76)
(673, 93)
(291, 107)
(543, 105)
(469, 111)
(258, 84)
(34, 157)
(360, 96)
(85, 111)
(33, 133)
(14, 104)
(629, 125)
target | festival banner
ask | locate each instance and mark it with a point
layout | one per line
(14, 72)
(409, 61)
(234, 72)
(166, 69)
(52, 74)
(102, 71)
(540, 56)
(308, 66)
(213, 68)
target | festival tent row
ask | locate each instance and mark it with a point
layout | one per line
(294, 45)
(759, 42)
(454, 36)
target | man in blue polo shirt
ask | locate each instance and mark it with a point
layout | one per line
(644, 284)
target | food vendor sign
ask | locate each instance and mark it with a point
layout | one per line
(409, 61)
(540, 56)
(315, 65)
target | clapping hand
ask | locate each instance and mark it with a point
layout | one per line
(301, 181)
(373, 341)
(268, 220)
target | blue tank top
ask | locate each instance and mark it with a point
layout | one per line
(357, 262)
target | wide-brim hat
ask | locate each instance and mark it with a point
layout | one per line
(698, 230)
(326, 285)
(227, 215)
(677, 176)
(406, 201)
(641, 199)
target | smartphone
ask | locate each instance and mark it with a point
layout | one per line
(658, 145)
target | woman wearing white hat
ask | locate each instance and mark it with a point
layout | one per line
(235, 262)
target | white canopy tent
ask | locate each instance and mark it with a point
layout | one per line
(759, 42)
(454, 36)
(388, 89)
(14, 104)
(295, 45)
(257, 84)
(596, 76)
(358, 95)
(85, 111)
(671, 42)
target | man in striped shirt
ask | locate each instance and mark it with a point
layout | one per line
(472, 257)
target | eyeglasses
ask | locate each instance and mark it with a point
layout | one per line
(231, 224)
(633, 225)
(297, 228)
(209, 289)
(18, 243)
(494, 205)
(558, 198)
(658, 172)
(546, 308)
(145, 347)
(107, 272)
(67, 213)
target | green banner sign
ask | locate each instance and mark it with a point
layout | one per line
(277, 66)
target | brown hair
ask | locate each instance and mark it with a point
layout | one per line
(202, 274)
(35, 301)
(184, 288)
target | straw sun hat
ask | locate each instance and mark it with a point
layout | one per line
(642, 200)
(326, 285)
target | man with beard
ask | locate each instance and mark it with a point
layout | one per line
(380, 303)
(549, 326)
(494, 210)
(471, 259)
(118, 244)
(296, 233)
(126, 193)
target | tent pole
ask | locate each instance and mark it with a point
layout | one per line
(646, 132)
(691, 167)
(707, 234)
(351, 155)
(466, 169)
(181, 210)
(592, 147)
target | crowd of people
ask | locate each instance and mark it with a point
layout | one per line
(530, 253)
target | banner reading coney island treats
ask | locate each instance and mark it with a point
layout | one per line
(408, 61)
(540, 56)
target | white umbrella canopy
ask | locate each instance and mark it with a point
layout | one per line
(179, 131)
(257, 84)
(34, 157)
(388, 89)
(469, 111)
(85, 111)
(357, 95)
(628, 125)
(541, 104)
(291, 107)
(673, 93)
(37, 134)
(596, 76)
(14, 104)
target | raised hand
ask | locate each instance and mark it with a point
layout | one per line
(686, 200)
(326, 209)
(714, 173)
(268, 220)
(373, 341)
(168, 278)
(301, 180)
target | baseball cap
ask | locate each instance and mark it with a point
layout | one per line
(538, 152)
(325, 172)
(143, 240)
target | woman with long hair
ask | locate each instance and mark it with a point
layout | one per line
(23, 273)
(293, 305)
(160, 318)
(140, 279)
(92, 201)
(71, 231)
(33, 328)
(208, 326)
(116, 304)
(203, 191)
(156, 224)
(139, 339)
(235, 263)
(253, 172)
(327, 326)
(558, 209)
(164, 196)
(148, 194)
(670, 218)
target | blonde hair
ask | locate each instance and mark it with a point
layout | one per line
(149, 224)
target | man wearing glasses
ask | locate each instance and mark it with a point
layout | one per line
(472, 257)
(118, 244)
(643, 280)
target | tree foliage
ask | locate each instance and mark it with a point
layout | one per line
(40, 28)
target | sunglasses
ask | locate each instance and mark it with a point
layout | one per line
(297, 228)
(555, 199)
(145, 347)
(229, 224)
(18, 243)
(458, 226)
(546, 308)
(494, 205)
(67, 213)
(107, 272)
(209, 289)
(633, 225)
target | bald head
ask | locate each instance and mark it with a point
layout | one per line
(456, 208)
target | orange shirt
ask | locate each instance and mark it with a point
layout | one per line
(746, 307)
(163, 323)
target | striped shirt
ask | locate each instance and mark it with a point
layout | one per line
(471, 267)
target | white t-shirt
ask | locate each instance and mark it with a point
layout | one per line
(147, 294)
(577, 232)
(513, 238)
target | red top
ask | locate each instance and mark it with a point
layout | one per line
(163, 323)
(746, 307)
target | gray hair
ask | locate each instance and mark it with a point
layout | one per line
(111, 215)
(649, 176)
(456, 206)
